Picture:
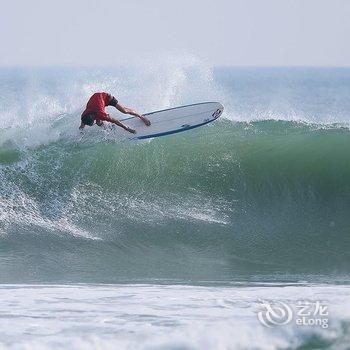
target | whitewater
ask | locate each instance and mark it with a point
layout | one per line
(173, 242)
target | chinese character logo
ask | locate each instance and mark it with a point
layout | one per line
(307, 313)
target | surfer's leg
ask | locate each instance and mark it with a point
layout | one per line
(130, 111)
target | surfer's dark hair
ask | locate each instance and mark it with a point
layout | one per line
(88, 119)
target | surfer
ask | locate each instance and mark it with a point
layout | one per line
(95, 112)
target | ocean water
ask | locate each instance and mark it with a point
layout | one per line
(180, 241)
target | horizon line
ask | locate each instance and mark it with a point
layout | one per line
(188, 65)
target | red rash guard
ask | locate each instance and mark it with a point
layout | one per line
(96, 106)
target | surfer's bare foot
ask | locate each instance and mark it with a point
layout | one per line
(145, 120)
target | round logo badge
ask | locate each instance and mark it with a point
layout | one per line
(217, 113)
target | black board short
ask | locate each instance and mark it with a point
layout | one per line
(112, 101)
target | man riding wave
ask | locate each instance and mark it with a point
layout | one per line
(95, 112)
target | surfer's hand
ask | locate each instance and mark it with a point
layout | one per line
(145, 120)
(130, 130)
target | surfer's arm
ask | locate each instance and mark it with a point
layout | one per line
(118, 123)
(126, 110)
(82, 126)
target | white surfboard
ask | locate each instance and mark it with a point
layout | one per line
(174, 120)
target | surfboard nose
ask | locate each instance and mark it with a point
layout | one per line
(221, 107)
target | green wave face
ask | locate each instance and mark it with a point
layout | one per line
(226, 200)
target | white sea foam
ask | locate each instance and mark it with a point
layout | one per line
(162, 317)
(20, 210)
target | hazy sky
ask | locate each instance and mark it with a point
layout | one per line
(220, 32)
